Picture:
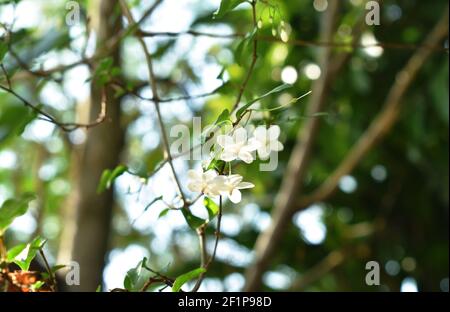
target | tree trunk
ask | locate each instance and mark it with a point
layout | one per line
(102, 150)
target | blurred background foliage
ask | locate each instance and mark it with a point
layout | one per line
(392, 209)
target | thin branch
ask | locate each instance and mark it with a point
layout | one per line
(156, 99)
(202, 239)
(327, 264)
(49, 271)
(168, 100)
(254, 58)
(68, 127)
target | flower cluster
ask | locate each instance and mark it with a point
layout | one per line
(236, 145)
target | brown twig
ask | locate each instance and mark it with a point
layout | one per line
(254, 58)
(68, 127)
(154, 88)
(53, 285)
(202, 239)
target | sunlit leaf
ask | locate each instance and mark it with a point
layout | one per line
(12, 209)
(227, 6)
(212, 207)
(193, 221)
(183, 279)
(23, 255)
(108, 177)
(137, 277)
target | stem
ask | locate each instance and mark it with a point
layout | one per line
(49, 270)
(202, 240)
(156, 98)
(2, 250)
(254, 58)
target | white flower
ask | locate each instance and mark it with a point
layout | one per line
(236, 146)
(231, 185)
(203, 182)
(266, 141)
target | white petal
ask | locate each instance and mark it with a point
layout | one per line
(260, 133)
(264, 153)
(193, 175)
(240, 136)
(218, 184)
(211, 192)
(235, 196)
(276, 146)
(252, 145)
(245, 156)
(195, 186)
(209, 175)
(274, 132)
(245, 185)
(234, 179)
(224, 140)
(228, 156)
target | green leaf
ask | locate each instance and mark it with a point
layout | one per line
(183, 279)
(58, 267)
(14, 252)
(244, 48)
(108, 177)
(104, 180)
(224, 117)
(13, 120)
(38, 285)
(216, 164)
(105, 71)
(273, 91)
(193, 221)
(13, 208)
(226, 6)
(212, 207)
(164, 213)
(226, 88)
(23, 255)
(137, 277)
(117, 172)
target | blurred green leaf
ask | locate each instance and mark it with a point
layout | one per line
(163, 213)
(193, 221)
(244, 49)
(183, 279)
(108, 177)
(137, 277)
(227, 6)
(22, 255)
(38, 285)
(212, 207)
(13, 120)
(13, 208)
